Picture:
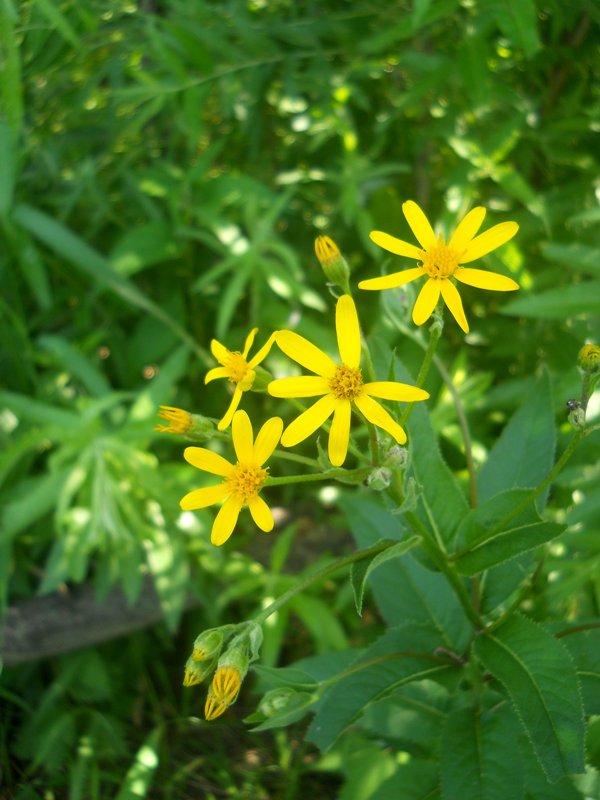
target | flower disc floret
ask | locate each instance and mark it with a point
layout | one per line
(346, 382)
(241, 482)
(237, 369)
(442, 263)
(339, 386)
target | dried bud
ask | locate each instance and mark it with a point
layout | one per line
(396, 457)
(379, 479)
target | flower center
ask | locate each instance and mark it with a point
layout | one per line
(346, 382)
(440, 261)
(245, 481)
(238, 370)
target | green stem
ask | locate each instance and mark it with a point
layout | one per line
(336, 565)
(435, 332)
(370, 371)
(315, 476)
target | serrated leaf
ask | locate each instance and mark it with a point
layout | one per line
(417, 780)
(584, 648)
(524, 453)
(403, 655)
(404, 589)
(361, 570)
(539, 675)
(443, 502)
(478, 760)
(489, 535)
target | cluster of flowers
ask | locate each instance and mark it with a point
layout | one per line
(339, 387)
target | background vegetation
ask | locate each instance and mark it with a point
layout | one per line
(164, 169)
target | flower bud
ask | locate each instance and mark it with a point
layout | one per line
(276, 700)
(333, 262)
(396, 457)
(207, 646)
(577, 417)
(181, 422)
(589, 358)
(379, 479)
(197, 671)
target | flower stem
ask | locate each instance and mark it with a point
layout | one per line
(339, 563)
(435, 332)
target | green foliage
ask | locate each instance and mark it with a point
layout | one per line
(164, 168)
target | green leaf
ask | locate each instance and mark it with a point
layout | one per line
(584, 648)
(139, 775)
(478, 760)
(361, 570)
(143, 246)
(7, 162)
(37, 412)
(58, 21)
(491, 533)
(517, 19)
(403, 589)
(291, 707)
(416, 780)
(321, 620)
(560, 303)
(170, 570)
(540, 678)
(77, 364)
(576, 256)
(11, 88)
(442, 502)
(524, 453)
(83, 257)
(403, 655)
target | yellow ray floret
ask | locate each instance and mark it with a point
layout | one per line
(339, 385)
(238, 369)
(442, 262)
(242, 481)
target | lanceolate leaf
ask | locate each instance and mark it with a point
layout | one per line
(524, 453)
(402, 655)
(539, 675)
(362, 569)
(508, 544)
(478, 757)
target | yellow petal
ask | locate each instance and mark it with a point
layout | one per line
(467, 229)
(339, 435)
(249, 341)
(395, 246)
(207, 496)
(393, 280)
(241, 433)
(348, 331)
(208, 461)
(305, 386)
(426, 301)
(267, 439)
(261, 513)
(219, 351)
(488, 241)
(262, 353)
(308, 421)
(225, 521)
(235, 401)
(482, 279)
(377, 414)
(419, 224)
(390, 390)
(217, 372)
(454, 303)
(301, 350)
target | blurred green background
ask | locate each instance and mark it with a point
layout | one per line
(164, 170)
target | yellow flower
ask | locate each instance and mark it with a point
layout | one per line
(441, 261)
(238, 370)
(180, 421)
(242, 481)
(223, 691)
(340, 384)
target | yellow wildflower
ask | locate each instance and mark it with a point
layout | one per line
(242, 481)
(441, 261)
(180, 421)
(238, 370)
(340, 384)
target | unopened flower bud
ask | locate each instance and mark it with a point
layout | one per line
(207, 646)
(182, 423)
(379, 479)
(396, 457)
(276, 700)
(589, 358)
(333, 262)
(197, 671)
